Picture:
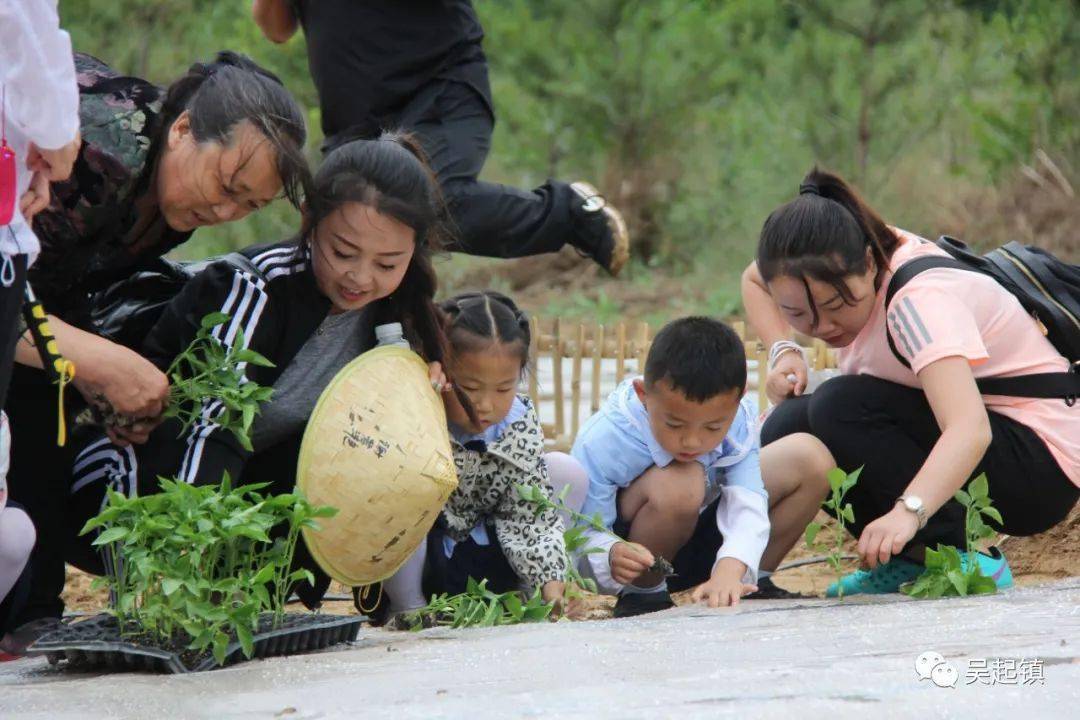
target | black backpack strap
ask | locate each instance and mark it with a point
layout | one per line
(1063, 385)
(905, 274)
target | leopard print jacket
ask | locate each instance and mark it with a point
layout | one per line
(533, 544)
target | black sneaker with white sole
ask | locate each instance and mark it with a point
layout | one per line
(631, 604)
(768, 590)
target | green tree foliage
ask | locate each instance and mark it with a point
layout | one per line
(699, 116)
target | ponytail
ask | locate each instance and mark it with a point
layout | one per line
(824, 234)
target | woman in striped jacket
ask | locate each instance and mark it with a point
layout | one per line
(309, 305)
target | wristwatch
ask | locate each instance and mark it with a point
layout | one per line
(914, 504)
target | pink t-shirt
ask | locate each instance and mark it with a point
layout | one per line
(944, 312)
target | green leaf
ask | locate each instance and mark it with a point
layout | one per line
(243, 439)
(252, 358)
(170, 585)
(247, 642)
(981, 585)
(952, 557)
(850, 480)
(836, 479)
(963, 498)
(248, 417)
(221, 644)
(848, 513)
(213, 320)
(959, 581)
(265, 575)
(812, 531)
(935, 559)
(111, 535)
(525, 492)
(978, 487)
(513, 605)
(993, 514)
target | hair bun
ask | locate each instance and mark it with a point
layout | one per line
(230, 58)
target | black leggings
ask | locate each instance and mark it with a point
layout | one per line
(890, 429)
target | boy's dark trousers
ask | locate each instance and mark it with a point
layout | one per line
(694, 562)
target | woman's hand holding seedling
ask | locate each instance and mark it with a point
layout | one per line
(629, 561)
(887, 536)
(125, 383)
(725, 586)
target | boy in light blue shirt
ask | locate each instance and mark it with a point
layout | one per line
(673, 465)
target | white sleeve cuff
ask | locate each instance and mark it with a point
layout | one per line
(597, 565)
(742, 516)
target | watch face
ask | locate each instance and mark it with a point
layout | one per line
(913, 503)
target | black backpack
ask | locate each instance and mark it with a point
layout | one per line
(126, 311)
(1047, 288)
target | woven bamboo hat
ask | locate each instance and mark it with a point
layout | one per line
(376, 448)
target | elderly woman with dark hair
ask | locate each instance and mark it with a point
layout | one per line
(223, 141)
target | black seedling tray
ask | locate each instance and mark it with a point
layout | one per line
(96, 644)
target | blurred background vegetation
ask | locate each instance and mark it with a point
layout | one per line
(697, 117)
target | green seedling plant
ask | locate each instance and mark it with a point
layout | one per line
(947, 573)
(205, 562)
(840, 483)
(202, 560)
(478, 607)
(209, 370)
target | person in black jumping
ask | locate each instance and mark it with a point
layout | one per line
(419, 65)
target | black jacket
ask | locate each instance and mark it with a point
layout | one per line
(275, 305)
(271, 296)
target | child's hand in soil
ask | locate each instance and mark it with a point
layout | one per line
(565, 600)
(886, 536)
(629, 561)
(725, 586)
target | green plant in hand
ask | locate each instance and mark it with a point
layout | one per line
(208, 370)
(200, 563)
(575, 536)
(840, 483)
(478, 607)
(947, 574)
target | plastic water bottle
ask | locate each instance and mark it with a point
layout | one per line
(391, 334)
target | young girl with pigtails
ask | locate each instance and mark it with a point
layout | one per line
(486, 530)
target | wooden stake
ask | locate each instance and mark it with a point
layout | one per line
(556, 369)
(620, 353)
(643, 347)
(597, 363)
(763, 374)
(575, 381)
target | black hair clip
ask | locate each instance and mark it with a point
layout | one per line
(809, 188)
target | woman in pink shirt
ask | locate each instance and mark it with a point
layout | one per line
(823, 265)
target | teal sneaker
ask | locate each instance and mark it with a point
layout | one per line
(993, 565)
(885, 578)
